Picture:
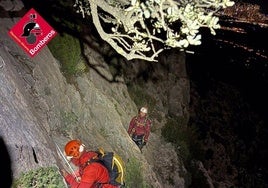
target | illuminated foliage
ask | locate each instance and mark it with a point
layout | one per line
(141, 29)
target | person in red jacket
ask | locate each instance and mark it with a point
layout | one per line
(90, 174)
(139, 128)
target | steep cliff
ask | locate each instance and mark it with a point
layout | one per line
(39, 108)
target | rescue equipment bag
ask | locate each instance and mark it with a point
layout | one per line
(115, 166)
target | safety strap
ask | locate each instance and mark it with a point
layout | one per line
(144, 122)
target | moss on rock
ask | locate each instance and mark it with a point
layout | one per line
(48, 177)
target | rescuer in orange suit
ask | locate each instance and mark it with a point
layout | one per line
(90, 174)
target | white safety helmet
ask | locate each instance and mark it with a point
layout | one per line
(144, 110)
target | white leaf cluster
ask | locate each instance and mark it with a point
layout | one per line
(138, 25)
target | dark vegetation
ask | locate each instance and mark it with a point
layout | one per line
(76, 32)
(229, 89)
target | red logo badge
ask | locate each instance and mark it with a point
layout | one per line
(32, 32)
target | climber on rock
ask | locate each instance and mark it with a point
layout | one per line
(139, 128)
(90, 174)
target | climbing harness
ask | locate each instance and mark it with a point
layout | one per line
(138, 139)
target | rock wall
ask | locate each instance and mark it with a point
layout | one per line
(167, 83)
(39, 108)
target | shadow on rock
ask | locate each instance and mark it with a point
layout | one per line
(6, 171)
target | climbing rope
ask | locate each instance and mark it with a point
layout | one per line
(2, 62)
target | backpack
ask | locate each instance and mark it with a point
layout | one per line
(114, 165)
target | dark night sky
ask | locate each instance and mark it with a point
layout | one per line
(237, 63)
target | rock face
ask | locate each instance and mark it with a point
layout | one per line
(20, 127)
(38, 108)
(167, 84)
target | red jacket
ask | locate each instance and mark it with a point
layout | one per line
(91, 175)
(140, 126)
